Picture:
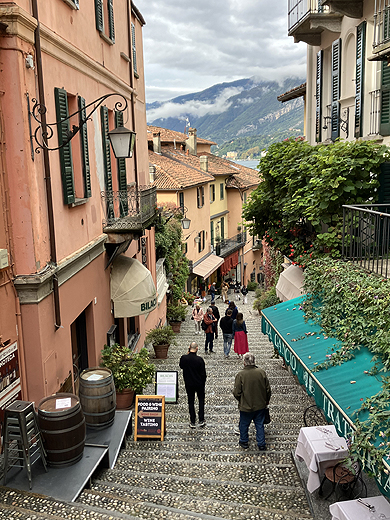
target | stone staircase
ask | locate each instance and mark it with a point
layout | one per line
(202, 473)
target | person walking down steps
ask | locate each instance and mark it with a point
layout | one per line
(194, 375)
(197, 316)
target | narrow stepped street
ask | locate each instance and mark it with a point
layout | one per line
(202, 473)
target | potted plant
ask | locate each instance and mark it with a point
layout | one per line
(161, 338)
(131, 372)
(176, 313)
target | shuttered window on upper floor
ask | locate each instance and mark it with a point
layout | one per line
(385, 100)
(74, 4)
(122, 174)
(360, 59)
(319, 65)
(134, 49)
(74, 154)
(107, 161)
(104, 17)
(335, 89)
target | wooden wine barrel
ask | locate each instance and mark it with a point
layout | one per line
(62, 424)
(97, 397)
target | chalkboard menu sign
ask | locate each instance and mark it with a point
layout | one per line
(166, 384)
(149, 417)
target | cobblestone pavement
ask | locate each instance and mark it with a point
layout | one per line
(201, 473)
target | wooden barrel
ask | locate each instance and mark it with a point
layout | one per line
(97, 397)
(62, 424)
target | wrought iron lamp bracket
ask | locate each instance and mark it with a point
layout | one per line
(344, 123)
(41, 137)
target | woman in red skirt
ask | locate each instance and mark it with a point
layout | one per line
(240, 336)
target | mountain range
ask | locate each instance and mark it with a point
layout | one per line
(235, 110)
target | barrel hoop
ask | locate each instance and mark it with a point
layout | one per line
(67, 449)
(50, 416)
(67, 430)
(83, 396)
(99, 414)
(96, 384)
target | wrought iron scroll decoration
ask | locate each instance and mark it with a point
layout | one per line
(42, 137)
(344, 123)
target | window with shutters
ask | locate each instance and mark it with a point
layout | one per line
(360, 59)
(222, 228)
(74, 156)
(201, 244)
(181, 200)
(200, 196)
(335, 89)
(319, 66)
(122, 176)
(104, 116)
(134, 50)
(212, 193)
(74, 4)
(104, 15)
(385, 103)
(221, 191)
(212, 233)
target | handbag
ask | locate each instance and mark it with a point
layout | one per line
(267, 417)
(192, 317)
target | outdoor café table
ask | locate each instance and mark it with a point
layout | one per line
(320, 447)
(353, 510)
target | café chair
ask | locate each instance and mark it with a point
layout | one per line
(313, 416)
(347, 482)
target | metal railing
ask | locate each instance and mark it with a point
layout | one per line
(299, 9)
(366, 236)
(161, 277)
(327, 127)
(375, 111)
(381, 23)
(128, 210)
(229, 245)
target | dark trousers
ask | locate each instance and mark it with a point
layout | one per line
(209, 341)
(191, 402)
(258, 418)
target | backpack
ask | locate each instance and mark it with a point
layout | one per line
(203, 325)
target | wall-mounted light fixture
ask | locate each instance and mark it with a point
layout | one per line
(344, 123)
(170, 213)
(122, 140)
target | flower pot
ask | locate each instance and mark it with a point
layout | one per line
(175, 325)
(124, 399)
(161, 351)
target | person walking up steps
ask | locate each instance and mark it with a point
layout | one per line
(194, 375)
(197, 315)
(216, 316)
(240, 335)
(253, 393)
(209, 321)
(226, 325)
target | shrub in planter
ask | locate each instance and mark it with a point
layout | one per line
(252, 286)
(265, 299)
(176, 312)
(162, 336)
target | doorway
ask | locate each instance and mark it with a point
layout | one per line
(78, 331)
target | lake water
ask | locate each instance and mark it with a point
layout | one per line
(249, 164)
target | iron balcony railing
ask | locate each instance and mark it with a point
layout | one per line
(366, 236)
(375, 111)
(128, 210)
(298, 10)
(229, 245)
(381, 23)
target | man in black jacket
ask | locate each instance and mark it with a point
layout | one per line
(226, 325)
(194, 375)
(216, 316)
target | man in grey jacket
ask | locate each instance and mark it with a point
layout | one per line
(253, 393)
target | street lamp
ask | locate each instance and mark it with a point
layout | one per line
(122, 140)
(185, 222)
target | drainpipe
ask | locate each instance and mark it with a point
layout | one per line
(129, 10)
(46, 165)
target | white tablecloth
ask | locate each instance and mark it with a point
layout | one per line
(352, 510)
(312, 449)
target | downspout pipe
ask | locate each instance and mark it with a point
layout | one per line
(46, 165)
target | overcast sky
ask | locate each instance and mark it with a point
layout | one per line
(192, 45)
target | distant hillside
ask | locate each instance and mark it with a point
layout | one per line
(227, 111)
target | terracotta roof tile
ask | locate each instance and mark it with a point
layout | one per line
(169, 136)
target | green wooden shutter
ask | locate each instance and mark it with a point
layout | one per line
(121, 167)
(384, 184)
(385, 101)
(335, 107)
(222, 227)
(133, 48)
(61, 101)
(110, 6)
(360, 59)
(212, 233)
(319, 96)
(99, 15)
(107, 161)
(85, 150)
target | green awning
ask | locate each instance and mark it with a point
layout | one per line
(340, 390)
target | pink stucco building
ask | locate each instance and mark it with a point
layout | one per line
(68, 214)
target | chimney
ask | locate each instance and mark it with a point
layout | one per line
(204, 163)
(152, 173)
(156, 142)
(191, 141)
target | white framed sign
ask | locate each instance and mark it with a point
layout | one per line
(167, 384)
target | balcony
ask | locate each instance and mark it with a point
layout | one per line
(366, 237)
(130, 211)
(381, 43)
(350, 8)
(227, 246)
(307, 19)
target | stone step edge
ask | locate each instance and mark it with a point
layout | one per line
(211, 482)
(65, 513)
(120, 486)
